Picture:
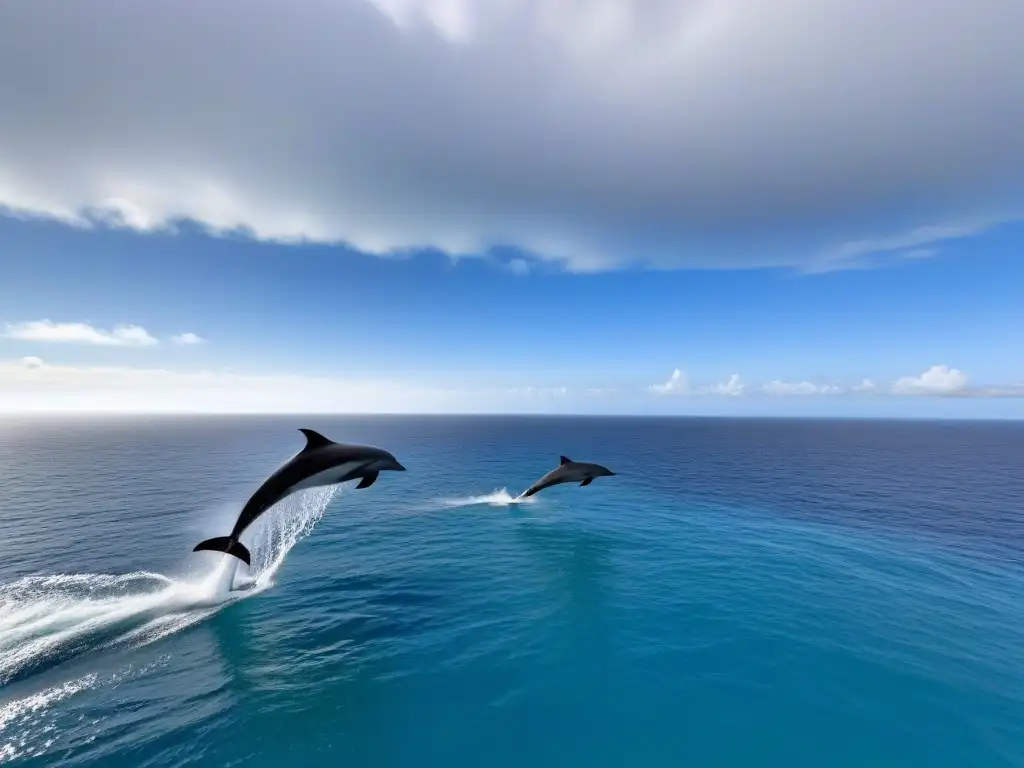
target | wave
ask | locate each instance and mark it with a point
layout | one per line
(497, 498)
(45, 620)
(26, 731)
(17, 714)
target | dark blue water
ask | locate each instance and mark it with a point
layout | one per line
(742, 592)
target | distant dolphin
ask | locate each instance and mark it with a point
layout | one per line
(321, 462)
(568, 471)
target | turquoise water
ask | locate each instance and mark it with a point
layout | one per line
(742, 592)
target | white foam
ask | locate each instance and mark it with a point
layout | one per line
(25, 728)
(22, 712)
(44, 619)
(497, 498)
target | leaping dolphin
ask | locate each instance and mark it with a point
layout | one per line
(321, 462)
(568, 471)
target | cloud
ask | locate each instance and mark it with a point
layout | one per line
(702, 133)
(46, 387)
(910, 245)
(734, 387)
(943, 381)
(187, 339)
(30, 384)
(539, 391)
(80, 333)
(1009, 390)
(786, 388)
(677, 384)
(937, 380)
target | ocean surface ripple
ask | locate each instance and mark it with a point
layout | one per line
(742, 592)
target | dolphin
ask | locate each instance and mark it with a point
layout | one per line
(568, 471)
(321, 462)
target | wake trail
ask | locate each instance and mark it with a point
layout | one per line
(497, 498)
(46, 620)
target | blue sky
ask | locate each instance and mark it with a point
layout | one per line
(670, 206)
(478, 327)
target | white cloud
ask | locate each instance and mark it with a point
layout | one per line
(734, 387)
(30, 384)
(912, 244)
(187, 339)
(668, 132)
(942, 380)
(1008, 390)
(80, 333)
(937, 380)
(786, 388)
(539, 391)
(677, 384)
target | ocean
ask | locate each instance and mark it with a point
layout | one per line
(744, 592)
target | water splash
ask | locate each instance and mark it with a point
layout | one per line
(274, 534)
(499, 497)
(45, 620)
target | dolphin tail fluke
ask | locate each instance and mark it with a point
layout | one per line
(226, 545)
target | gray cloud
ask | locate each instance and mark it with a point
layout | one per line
(707, 133)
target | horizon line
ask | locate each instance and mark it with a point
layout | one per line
(495, 414)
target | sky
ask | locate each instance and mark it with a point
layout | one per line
(707, 207)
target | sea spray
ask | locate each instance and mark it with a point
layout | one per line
(499, 497)
(46, 620)
(275, 534)
(221, 580)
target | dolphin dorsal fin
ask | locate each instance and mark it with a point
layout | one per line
(564, 460)
(314, 439)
